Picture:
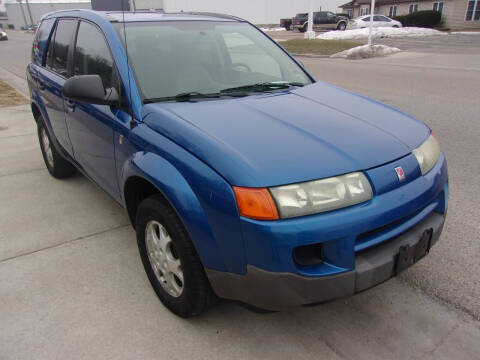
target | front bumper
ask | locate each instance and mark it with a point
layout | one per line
(278, 291)
(359, 244)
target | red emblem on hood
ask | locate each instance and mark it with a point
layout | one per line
(400, 173)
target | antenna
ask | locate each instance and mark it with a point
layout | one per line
(132, 123)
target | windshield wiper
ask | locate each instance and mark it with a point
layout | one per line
(186, 96)
(264, 86)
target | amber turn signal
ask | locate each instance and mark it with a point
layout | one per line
(255, 203)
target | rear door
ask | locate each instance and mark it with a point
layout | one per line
(331, 22)
(51, 77)
(90, 127)
(380, 21)
(320, 20)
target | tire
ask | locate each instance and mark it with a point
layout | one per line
(342, 26)
(170, 259)
(395, 26)
(56, 164)
(303, 29)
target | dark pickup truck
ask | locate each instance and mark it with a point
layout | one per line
(286, 23)
(321, 20)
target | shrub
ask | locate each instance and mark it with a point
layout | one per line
(424, 18)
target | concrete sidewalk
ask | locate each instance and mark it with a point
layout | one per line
(72, 286)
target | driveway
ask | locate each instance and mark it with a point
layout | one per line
(72, 284)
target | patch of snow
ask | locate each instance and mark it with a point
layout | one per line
(366, 51)
(465, 33)
(272, 29)
(380, 32)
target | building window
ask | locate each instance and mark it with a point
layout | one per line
(393, 11)
(364, 11)
(412, 8)
(473, 10)
(438, 6)
(350, 13)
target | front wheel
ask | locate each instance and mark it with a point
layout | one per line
(57, 166)
(342, 26)
(395, 26)
(170, 259)
(303, 29)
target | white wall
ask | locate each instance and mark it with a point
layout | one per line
(255, 11)
(147, 4)
(15, 16)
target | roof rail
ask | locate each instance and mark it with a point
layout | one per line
(223, 16)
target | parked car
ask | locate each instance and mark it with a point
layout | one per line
(3, 35)
(286, 23)
(378, 21)
(322, 20)
(243, 177)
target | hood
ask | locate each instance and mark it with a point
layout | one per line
(309, 133)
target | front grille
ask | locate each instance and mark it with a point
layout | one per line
(379, 235)
(368, 234)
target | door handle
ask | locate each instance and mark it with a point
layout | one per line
(70, 105)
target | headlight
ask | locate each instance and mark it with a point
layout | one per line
(321, 195)
(427, 154)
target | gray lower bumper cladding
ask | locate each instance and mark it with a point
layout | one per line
(279, 291)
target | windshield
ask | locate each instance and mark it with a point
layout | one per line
(182, 57)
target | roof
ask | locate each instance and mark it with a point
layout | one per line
(138, 16)
(355, 3)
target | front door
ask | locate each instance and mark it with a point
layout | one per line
(90, 127)
(51, 78)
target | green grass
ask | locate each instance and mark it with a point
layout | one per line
(317, 47)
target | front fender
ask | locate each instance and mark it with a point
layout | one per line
(203, 204)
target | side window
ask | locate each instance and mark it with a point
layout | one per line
(61, 46)
(40, 41)
(92, 55)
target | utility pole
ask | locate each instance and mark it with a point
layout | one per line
(23, 12)
(372, 9)
(29, 12)
(310, 34)
(133, 5)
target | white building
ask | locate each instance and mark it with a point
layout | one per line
(255, 11)
(20, 15)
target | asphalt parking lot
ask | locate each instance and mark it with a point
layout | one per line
(72, 284)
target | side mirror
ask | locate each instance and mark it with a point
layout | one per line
(89, 89)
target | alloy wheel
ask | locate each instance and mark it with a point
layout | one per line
(164, 259)
(47, 148)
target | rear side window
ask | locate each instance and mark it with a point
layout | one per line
(92, 54)
(41, 40)
(60, 46)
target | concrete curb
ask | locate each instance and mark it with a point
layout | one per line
(14, 81)
(312, 56)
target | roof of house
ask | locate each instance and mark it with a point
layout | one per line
(355, 3)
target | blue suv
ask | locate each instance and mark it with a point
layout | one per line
(244, 178)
